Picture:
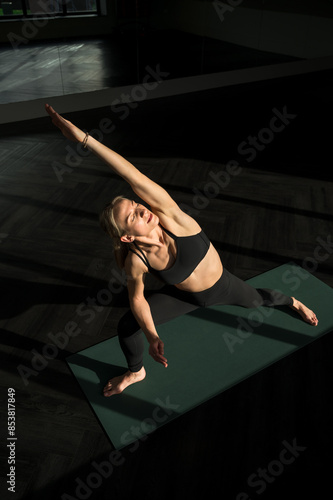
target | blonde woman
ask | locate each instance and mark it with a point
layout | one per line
(169, 244)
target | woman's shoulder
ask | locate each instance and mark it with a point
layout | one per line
(134, 267)
(177, 222)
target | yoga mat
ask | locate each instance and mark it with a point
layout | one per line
(208, 351)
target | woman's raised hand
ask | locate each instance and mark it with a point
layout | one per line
(69, 130)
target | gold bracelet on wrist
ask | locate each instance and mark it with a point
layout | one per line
(84, 142)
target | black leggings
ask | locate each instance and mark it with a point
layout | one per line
(170, 302)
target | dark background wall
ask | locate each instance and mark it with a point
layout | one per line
(297, 28)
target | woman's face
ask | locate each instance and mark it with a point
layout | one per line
(135, 219)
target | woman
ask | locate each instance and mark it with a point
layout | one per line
(169, 244)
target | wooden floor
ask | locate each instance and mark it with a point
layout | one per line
(54, 258)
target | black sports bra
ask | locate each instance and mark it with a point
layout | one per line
(190, 251)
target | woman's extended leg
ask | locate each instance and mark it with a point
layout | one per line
(243, 294)
(238, 292)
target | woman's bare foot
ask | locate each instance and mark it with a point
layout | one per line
(306, 313)
(117, 384)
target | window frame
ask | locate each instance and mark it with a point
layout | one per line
(63, 13)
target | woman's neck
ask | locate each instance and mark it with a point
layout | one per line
(154, 238)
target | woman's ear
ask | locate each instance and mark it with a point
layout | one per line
(126, 238)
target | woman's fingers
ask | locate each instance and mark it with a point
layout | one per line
(69, 130)
(156, 350)
(161, 348)
(56, 118)
(162, 361)
(49, 108)
(51, 111)
(159, 358)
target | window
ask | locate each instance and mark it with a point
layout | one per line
(14, 9)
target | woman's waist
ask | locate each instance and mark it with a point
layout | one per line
(201, 280)
(209, 295)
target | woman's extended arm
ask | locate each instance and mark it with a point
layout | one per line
(152, 193)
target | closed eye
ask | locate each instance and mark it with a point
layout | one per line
(137, 205)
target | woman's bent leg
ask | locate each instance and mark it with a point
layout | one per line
(131, 341)
(165, 305)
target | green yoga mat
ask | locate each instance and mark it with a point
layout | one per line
(208, 351)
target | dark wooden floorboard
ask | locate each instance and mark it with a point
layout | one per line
(54, 257)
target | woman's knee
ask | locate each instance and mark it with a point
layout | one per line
(127, 325)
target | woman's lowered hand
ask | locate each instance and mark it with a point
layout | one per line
(156, 350)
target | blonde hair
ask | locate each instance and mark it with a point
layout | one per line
(113, 229)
